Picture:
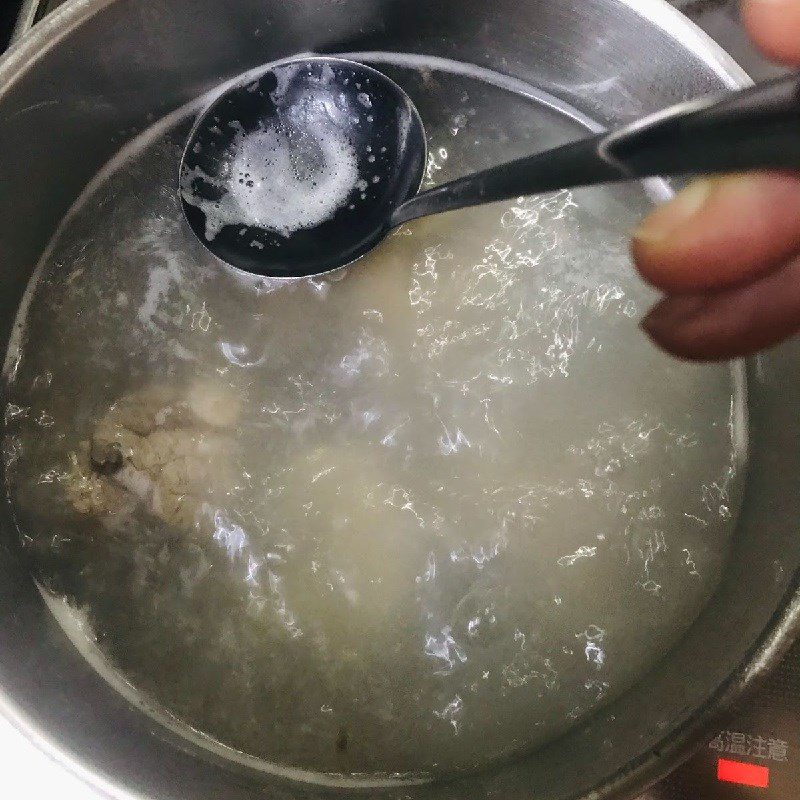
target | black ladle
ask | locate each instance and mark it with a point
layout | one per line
(306, 167)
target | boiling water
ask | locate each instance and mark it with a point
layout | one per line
(410, 518)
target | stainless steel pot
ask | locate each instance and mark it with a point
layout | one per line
(97, 72)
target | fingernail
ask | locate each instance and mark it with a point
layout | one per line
(669, 218)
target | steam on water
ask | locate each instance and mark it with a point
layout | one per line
(406, 519)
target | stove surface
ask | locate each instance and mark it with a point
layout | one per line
(756, 755)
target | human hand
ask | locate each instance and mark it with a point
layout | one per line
(726, 250)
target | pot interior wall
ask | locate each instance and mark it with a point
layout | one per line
(97, 73)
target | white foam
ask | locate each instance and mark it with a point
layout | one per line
(277, 185)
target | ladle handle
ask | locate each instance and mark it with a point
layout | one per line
(754, 128)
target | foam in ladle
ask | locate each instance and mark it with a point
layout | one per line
(281, 178)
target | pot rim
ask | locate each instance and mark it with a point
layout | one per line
(677, 745)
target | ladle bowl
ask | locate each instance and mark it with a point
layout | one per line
(298, 170)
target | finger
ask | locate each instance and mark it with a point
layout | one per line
(720, 232)
(774, 25)
(731, 323)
